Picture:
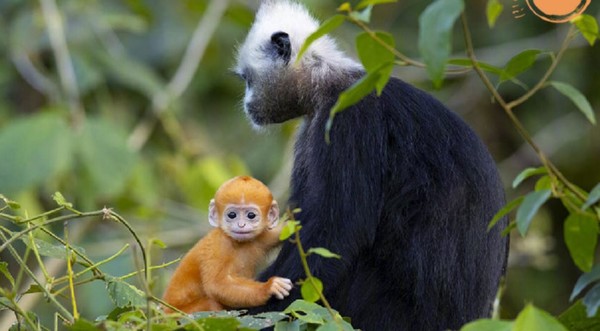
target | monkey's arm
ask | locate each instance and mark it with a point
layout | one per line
(238, 292)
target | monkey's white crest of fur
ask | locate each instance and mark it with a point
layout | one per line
(294, 19)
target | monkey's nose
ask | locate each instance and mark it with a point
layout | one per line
(241, 225)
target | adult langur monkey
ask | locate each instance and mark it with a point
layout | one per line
(404, 191)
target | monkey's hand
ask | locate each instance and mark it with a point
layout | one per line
(280, 287)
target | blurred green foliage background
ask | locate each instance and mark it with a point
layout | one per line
(117, 123)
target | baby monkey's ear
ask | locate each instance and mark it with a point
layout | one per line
(273, 215)
(213, 214)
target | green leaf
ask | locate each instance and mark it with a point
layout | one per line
(83, 325)
(533, 319)
(493, 10)
(528, 173)
(60, 200)
(575, 318)
(372, 54)
(484, 66)
(577, 98)
(287, 326)
(329, 25)
(306, 311)
(532, 202)
(4, 270)
(504, 211)
(364, 15)
(47, 249)
(35, 149)
(585, 280)
(544, 183)
(354, 94)
(519, 63)
(588, 26)
(435, 31)
(488, 325)
(261, 321)
(218, 323)
(593, 197)
(324, 252)
(581, 237)
(311, 287)
(108, 162)
(11, 204)
(124, 294)
(592, 300)
(366, 3)
(289, 228)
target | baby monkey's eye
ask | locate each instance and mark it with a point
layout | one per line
(231, 215)
(251, 215)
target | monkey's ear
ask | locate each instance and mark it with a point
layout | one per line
(213, 214)
(273, 215)
(281, 42)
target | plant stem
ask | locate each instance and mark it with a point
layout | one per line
(309, 274)
(508, 107)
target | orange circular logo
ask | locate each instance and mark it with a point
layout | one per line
(557, 11)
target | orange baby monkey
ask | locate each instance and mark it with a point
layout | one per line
(217, 273)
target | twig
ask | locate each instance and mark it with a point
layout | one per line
(508, 107)
(184, 73)
(66, 72)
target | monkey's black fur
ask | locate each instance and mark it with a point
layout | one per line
(404, 193)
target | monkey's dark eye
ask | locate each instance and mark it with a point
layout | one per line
(251, 215)
(232, 215)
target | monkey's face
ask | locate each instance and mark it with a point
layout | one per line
(243, 222)
(272, 83)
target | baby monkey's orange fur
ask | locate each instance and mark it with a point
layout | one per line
(217, 273)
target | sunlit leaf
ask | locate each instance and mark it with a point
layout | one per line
(593, 197)
(493, 10)
(577, 98)
(531, 204)
(533, 319)
(289, 228)
(329, 25)
(324, 252)
(310, 289)
(581, 237)
(519, 63)
(488, 325)
(83, 325)
(373, 54)
(504, 211)
(355, 93)
(528, 173)
(11, 204)
(588, 26)
(435, 32)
